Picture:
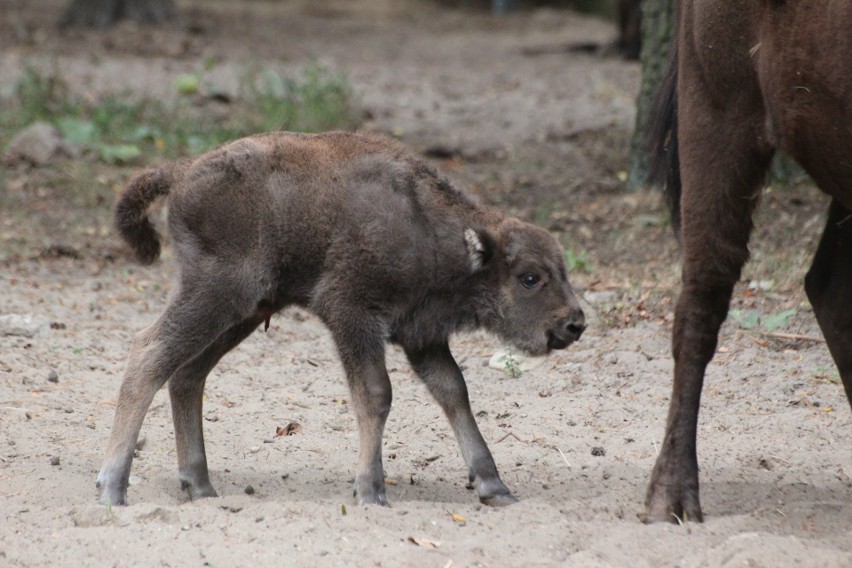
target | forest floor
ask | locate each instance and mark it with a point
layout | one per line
(529, 126)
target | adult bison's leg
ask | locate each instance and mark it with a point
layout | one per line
(722, 164)
(715, 231)
(829, 288)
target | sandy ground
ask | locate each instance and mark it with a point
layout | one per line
(574, 438)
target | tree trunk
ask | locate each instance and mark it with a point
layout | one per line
(102, 14)
(658, 33)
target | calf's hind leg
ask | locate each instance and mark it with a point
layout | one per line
(186, 391)
(438, 369)
(182, 333)
(829, 288)
(361, 349)
(371, 397)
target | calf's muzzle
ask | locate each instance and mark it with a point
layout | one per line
(567, 331)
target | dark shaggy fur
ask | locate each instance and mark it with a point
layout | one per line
(371, 239)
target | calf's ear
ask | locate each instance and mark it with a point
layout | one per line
(480, 248)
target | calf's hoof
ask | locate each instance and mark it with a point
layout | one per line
(112, 493)
(492, 491)
(380, 500)
(198, 490)
(113, 498)
(369, 493)
(501, 500)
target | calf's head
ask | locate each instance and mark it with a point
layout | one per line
(533, 305)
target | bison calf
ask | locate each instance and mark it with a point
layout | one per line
(363, 234)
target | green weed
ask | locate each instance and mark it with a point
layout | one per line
(42, 96)
(123, 128)
(513, 366)
(322, 100)
(826, 374)
(752, 319)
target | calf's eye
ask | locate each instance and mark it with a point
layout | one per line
(530, 280)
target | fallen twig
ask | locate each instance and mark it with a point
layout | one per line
(512, 434)
(793, 336)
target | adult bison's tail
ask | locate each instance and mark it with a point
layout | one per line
(131, 211)
(665, 162)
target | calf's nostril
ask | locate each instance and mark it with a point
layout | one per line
(575, 329)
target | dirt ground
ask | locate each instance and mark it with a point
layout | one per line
(532, 128)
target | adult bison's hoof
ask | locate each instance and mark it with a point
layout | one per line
(672, 503)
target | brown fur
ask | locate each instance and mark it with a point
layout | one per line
(368, 237)
(751, 78)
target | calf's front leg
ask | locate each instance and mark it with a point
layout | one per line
(437, 368)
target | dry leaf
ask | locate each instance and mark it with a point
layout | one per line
(424, 542)
(289, 430)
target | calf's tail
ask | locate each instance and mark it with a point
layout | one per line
(131, 211)
(665, 161)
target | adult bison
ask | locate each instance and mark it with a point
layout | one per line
(748, 78)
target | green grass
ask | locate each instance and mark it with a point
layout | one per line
(321, 100)
(577, 261)
(123, 128)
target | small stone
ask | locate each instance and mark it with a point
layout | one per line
(18, 325)
(36, 144)
(513, 363)
(54, 460)
(601, 297)
(249, 490)
(52, 377)
(598, 451)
